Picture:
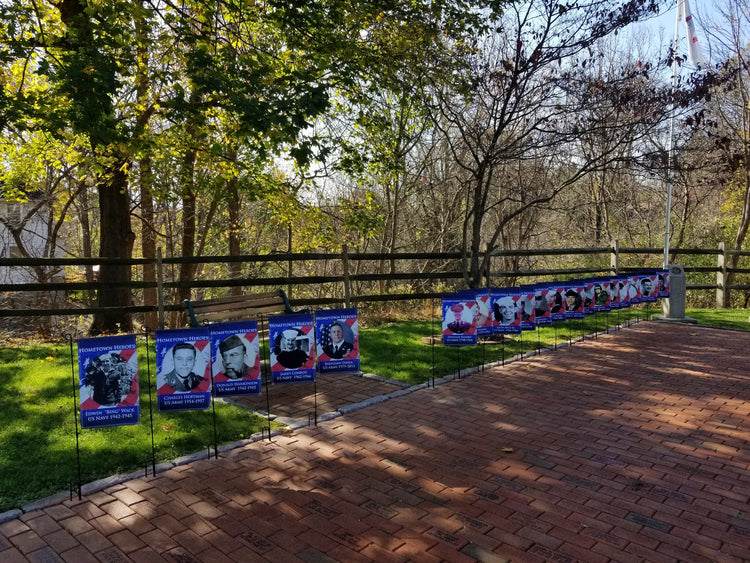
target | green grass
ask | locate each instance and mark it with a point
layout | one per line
(38, 432)
(397, 351)
(737, 319)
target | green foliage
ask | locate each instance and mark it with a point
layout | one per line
(362, 216)
(731, 211)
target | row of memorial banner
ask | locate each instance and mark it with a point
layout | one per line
(470, 314)
(226, 355)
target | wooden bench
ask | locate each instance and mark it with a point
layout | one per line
(248, 307)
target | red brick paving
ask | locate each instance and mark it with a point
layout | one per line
(632, 446)
(302, 401)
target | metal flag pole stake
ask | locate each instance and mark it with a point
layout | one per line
(458, 360)
(432, 340)
(213, 416)
(315, 400)
(268, 375)
(75, 410)
(596, 325)
(538, 341)
(146, 330)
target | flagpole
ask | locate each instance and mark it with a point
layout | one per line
(695, 58)
(670, 143)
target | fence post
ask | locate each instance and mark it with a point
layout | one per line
(160, 287)
(345, 267)
(614, 257)
(721, 277)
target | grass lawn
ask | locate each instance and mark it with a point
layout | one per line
(38, 435)
(737, 319)
(397, 350)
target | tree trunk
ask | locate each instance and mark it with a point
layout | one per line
(117, 239)
(148, 241)
(234, 234)
(83, 219)
(146, 179)
(187, 270)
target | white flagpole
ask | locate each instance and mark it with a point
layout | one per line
(670, 145)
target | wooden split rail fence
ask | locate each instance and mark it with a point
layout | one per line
(349, 279)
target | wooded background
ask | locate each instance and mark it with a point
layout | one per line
(248, 127)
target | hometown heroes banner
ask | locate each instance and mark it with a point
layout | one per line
(469, 314)
(337, 336)
(235, 358)
(183, 369)
(292, 343)
(459, 320)
(108, 381)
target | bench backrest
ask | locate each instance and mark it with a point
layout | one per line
(237, 307)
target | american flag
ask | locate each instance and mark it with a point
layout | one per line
(325, 336)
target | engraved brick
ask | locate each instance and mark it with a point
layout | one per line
(648, 522)
(580, 482)
(486, 495)
(481, 554)
(256, 542)
(472, 523)
(379, 509)
(549, 554)
(506, 483)
(319, 508)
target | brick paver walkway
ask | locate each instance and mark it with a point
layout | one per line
(329, 393)
(630, 447)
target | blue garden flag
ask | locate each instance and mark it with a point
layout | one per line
(108, 381)
(337, 334)
(183, 369)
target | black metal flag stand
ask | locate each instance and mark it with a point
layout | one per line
(484, 353)
(458, 360)
(75, 410)
(315, 399)
(596, 324)
(150, 404)
(268, 374)
(538, 341)
(432, 340)
(213, 416)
